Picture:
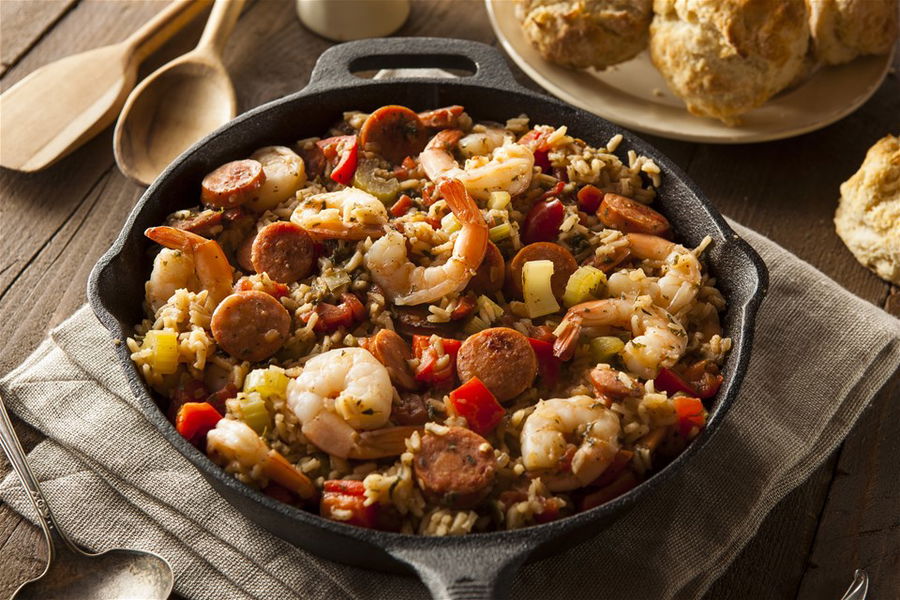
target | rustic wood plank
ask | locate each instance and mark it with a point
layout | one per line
(860, 526)
(24, 22)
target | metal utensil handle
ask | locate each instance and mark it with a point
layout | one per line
(9, 441)
(336, 65)
(859, 587)
(458, 570)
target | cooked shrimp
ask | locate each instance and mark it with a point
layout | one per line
(546, 441)
(681, 277)
(340, 392)
(201, 266)
(408, 284)
(509, 167)
(485, 141)
(348, 214)
(285, 174)
(659, 339)
(233, 444)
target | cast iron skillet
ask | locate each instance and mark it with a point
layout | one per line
(473, 566)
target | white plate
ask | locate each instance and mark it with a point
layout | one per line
(634, 94)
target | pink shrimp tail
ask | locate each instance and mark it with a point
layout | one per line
(460, 202)
(444, 140)
(564, 346)
(177, 239)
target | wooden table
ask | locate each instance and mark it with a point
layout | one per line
(56, 224)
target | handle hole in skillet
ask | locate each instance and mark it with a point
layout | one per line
(365, 67)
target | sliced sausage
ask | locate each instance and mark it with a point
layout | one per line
(607, 382)
(413, 320)
(409, 409)
(609, 262)
(501, 358)
(393, 352)
(564, 264)
(232, 184)
(456, 469)
(629, 216)
(244, 255)
(489, 277)
(284, 251)
(202, 223)
(398, 132)
(442, 118)
(250, 325)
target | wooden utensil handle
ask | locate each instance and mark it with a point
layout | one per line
(221, 21)
(163, 26)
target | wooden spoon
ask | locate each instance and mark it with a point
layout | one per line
(57, 108)
(178, 104)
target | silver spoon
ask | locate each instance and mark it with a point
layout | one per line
(72, 573)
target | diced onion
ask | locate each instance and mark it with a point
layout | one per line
(164, 345)
(583, 285)
(538, 292)
(499, 200)
(450, 223)
(266, 382)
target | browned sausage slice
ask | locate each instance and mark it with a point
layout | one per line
(398, 132)
(501, 358)
(244, 254)
(564, 264)
(629, 216)
(284, 251)
(455, 469)
(232, 184)
(413, 320)
(409, 409)
(489, 277)
(393, 352)
(202, 223)
(250, 325)
(606, 381)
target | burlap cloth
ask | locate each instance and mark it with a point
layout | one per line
(820, 355)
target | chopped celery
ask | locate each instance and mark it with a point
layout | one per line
(254, 413)
(450, 223)
(499, 200)
(605, 347)
(583, 285)
(266, 382)
(539, 299)
(474, 325)
(335, 279)
(500, 232)
(370, 178)
(164, 346)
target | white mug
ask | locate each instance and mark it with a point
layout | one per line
(345, 20)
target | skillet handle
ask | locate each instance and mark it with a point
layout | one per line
(457, 568)
(336, 65)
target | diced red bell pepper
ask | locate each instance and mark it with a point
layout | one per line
(671, 382)
(549, 510)
(691, 413)
(218, 398)
(619, 462)
(403, 204)
(548, 364)
(553, 192)
(195, 419)
(343, 152)
(427, 371)
(536, 139)
(542, 159)
(464, 308)
(345, 314)
(543, 221)
(478, 405)
(704, 377)
(589, 198)
(341, 495)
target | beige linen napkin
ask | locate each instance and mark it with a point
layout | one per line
(820, 355)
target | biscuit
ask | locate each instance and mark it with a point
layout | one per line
(844, 29)
(726, 57)
(868, 214)
(587, 33)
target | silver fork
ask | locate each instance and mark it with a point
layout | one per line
(858, 588)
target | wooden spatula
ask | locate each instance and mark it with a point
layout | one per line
(62, 105)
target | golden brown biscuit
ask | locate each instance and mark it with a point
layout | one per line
(868, 213)
(844, 29)
(587, 33)
(726, 57)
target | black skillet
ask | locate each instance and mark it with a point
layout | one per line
(474, 566)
